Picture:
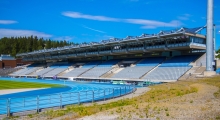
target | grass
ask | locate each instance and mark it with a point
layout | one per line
(5, 84)
(165, 92)
(158, 92)
(215, 81)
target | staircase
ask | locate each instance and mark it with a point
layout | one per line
(65, 71)
(192, 73)
(189, 73)
(110, 73)
(87, 70)
(149, 71)
(38, 70)
(153, 69)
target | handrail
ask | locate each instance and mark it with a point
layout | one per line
(9, 106)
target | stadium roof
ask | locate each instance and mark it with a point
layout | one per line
(160, 35)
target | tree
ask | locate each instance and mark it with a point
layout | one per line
(218, 53)
(15, 45)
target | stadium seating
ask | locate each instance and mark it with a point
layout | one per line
(100, 69)
(54, 72)
(75, 72)
(78, 71)
(152, 68)
(55, 69)
(30, 70)
(44, 71)
(172, 68)
(132, 72)
(96, 72)
(151, 61)
(17, 73)
(166, 73)
(179, 61)
(140, 69)
(6, 71)
(91, 64)
(61, 65)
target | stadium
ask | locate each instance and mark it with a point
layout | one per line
(162, 57)
(106, 69)
(64, 77)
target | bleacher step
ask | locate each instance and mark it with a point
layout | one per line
(111, 73)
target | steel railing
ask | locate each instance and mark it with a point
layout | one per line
(9, 106)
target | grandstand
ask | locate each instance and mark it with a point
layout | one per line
(172, 68)
(140, 69)
(164, 57)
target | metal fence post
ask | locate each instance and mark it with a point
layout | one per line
(113, 90)
(120, 91)
(38, 104)
(24, 102)
(61, 106)
(78, 97)
(50, 99)
(125, 90)
(70, 96)
(104, 94)
(92, 96)
(8, 107)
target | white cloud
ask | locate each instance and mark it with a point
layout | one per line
(154, 24)
(7, 22)
(14, 33)
(146, 24)
(184, 17)
(93, 29)
(91, 17)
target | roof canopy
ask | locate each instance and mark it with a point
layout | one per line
(161, 34)
(6, 57)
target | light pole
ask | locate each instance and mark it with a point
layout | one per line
(209, 39)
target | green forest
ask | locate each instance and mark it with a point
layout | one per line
(15, 45)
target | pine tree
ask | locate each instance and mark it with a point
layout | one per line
(15, 45)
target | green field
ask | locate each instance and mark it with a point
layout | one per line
(5, 84)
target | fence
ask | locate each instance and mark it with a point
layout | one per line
(10, 106)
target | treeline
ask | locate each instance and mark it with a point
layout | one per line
(15, 45)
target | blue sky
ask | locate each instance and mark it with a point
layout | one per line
(95, 20)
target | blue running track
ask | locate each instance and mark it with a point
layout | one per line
(72, 93)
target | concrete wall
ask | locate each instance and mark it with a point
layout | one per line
(217, 64)
(201, 60)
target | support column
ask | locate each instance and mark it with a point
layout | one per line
(209, 40)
